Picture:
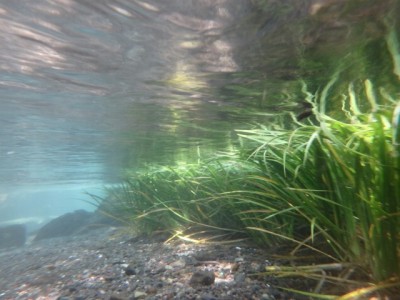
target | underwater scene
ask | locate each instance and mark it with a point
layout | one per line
(200, 149)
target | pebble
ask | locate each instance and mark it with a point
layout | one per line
(103, 267)
(202, 278)
(240, 277)
(139, 295)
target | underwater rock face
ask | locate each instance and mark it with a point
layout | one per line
(64, 225)
(77, 222)
(12, 236)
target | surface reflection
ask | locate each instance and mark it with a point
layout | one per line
(70, 71)
(91, 87)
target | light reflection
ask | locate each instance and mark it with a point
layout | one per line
(148, 6)
(120, 10)
(82, 69)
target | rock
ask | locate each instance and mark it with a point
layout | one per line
(180, 263)
(239, 260)
(139, 295)
(64, 225)
(77, 222)
(267, 297)
(151, 290)
(202, 278)
(240, 277)
(130, 270)
(12, 236)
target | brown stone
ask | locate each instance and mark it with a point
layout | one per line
(202, 278)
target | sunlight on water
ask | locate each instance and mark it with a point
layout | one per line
(72, 74)
(92, 87)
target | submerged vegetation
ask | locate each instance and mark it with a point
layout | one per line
(323, 184)
(328, 185)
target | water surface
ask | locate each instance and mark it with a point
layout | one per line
(89, 88)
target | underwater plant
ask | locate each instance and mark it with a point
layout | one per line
(329, 185)
(342, 177)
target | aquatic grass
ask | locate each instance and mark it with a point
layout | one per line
(179, 199)
(341, 177)
(326, 185)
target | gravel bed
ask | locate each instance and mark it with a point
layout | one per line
(108, 264)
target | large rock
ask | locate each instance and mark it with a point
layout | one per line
(77, 222)
(12, 236)
(64, 225)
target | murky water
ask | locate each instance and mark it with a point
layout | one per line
(91, 87)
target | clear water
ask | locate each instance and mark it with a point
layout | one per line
(91, 87)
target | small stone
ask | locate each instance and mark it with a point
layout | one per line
(235, 267)
(178, 264)
(180, 295)
(240, 277)
(139, 294)
(267, 297)
(202, 278)
(239, 259)
(255, 287)
(109, 278)
(130, 270)
(151, 290)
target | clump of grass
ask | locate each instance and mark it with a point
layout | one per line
(179, 199)
(342, 177)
